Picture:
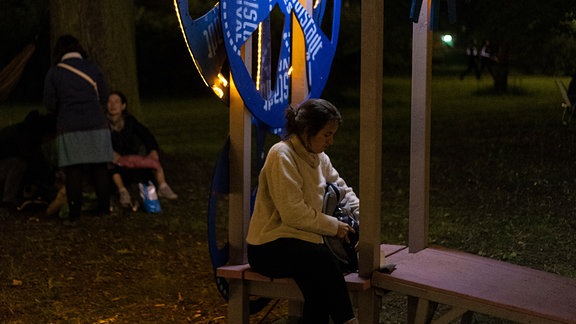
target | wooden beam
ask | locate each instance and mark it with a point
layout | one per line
(299, 90)
(420, 131)
(372, 37)
(240, 174)
(372, 46)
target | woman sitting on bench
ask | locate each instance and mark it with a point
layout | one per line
(285, 234)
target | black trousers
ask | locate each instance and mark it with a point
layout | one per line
(316, 272)
(98, 174)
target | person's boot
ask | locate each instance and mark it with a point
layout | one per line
(165, 191)
(125, 199)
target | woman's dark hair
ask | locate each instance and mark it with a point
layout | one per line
(310, 117)
(67, 44)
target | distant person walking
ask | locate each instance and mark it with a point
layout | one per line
(487, 58)
(75, 91)
(472, 57)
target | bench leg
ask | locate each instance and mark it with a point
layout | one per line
(452, 314)
(467, 318)
(295, 309)
(420, 310)
(369, 305)
(238, 303)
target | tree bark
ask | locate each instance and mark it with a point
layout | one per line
(106, 30)
(502, 69)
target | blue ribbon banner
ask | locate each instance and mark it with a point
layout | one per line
(240, 20)
(435, 10)
(204, 40)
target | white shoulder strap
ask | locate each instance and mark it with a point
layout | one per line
(82, 74)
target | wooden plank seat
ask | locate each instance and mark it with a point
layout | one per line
(470, 283)
(244, 272)
(244, 283)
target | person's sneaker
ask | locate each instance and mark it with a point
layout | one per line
(135, 206)
(166, 192)
(125, 199)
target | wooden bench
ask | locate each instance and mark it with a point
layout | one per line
(244, 283)
(470, 283)
(243, 272)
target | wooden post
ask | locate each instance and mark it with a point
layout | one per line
(240, 154)
(239, 197)
(299, 75)
(420, 139)
(420, 131)
(372, 39)
(371, 133)
(299, 91)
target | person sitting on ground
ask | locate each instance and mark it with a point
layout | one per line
(22, 163)
(285, 236)
(134, 147)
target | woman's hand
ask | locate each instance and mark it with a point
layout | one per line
(154, 155)
(115, 158)
(343, 230)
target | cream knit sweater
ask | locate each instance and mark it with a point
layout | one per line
(290, 195)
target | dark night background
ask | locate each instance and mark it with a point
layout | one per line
(502, 167)
(540, 43)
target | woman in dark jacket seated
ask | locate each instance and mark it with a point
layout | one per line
(134, 147)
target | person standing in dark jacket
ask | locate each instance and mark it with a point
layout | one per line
(131, 138)
(75, 91)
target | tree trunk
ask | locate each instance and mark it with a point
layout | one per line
(106, 30)
(501, 69)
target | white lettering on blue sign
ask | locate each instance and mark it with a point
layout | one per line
(313, 39)
(246, 19)
(240, 19)
(282, 90)
(211, 37)
(289, 6)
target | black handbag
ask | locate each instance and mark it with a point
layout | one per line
(335, 204)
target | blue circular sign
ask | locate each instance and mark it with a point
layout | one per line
(240, 20)
(204, 40)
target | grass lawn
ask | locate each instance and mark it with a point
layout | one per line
(502, 185)
(502, 171)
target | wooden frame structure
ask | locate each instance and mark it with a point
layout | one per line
(451, 279)
(240, 149)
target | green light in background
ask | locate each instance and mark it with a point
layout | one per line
(448, 40)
